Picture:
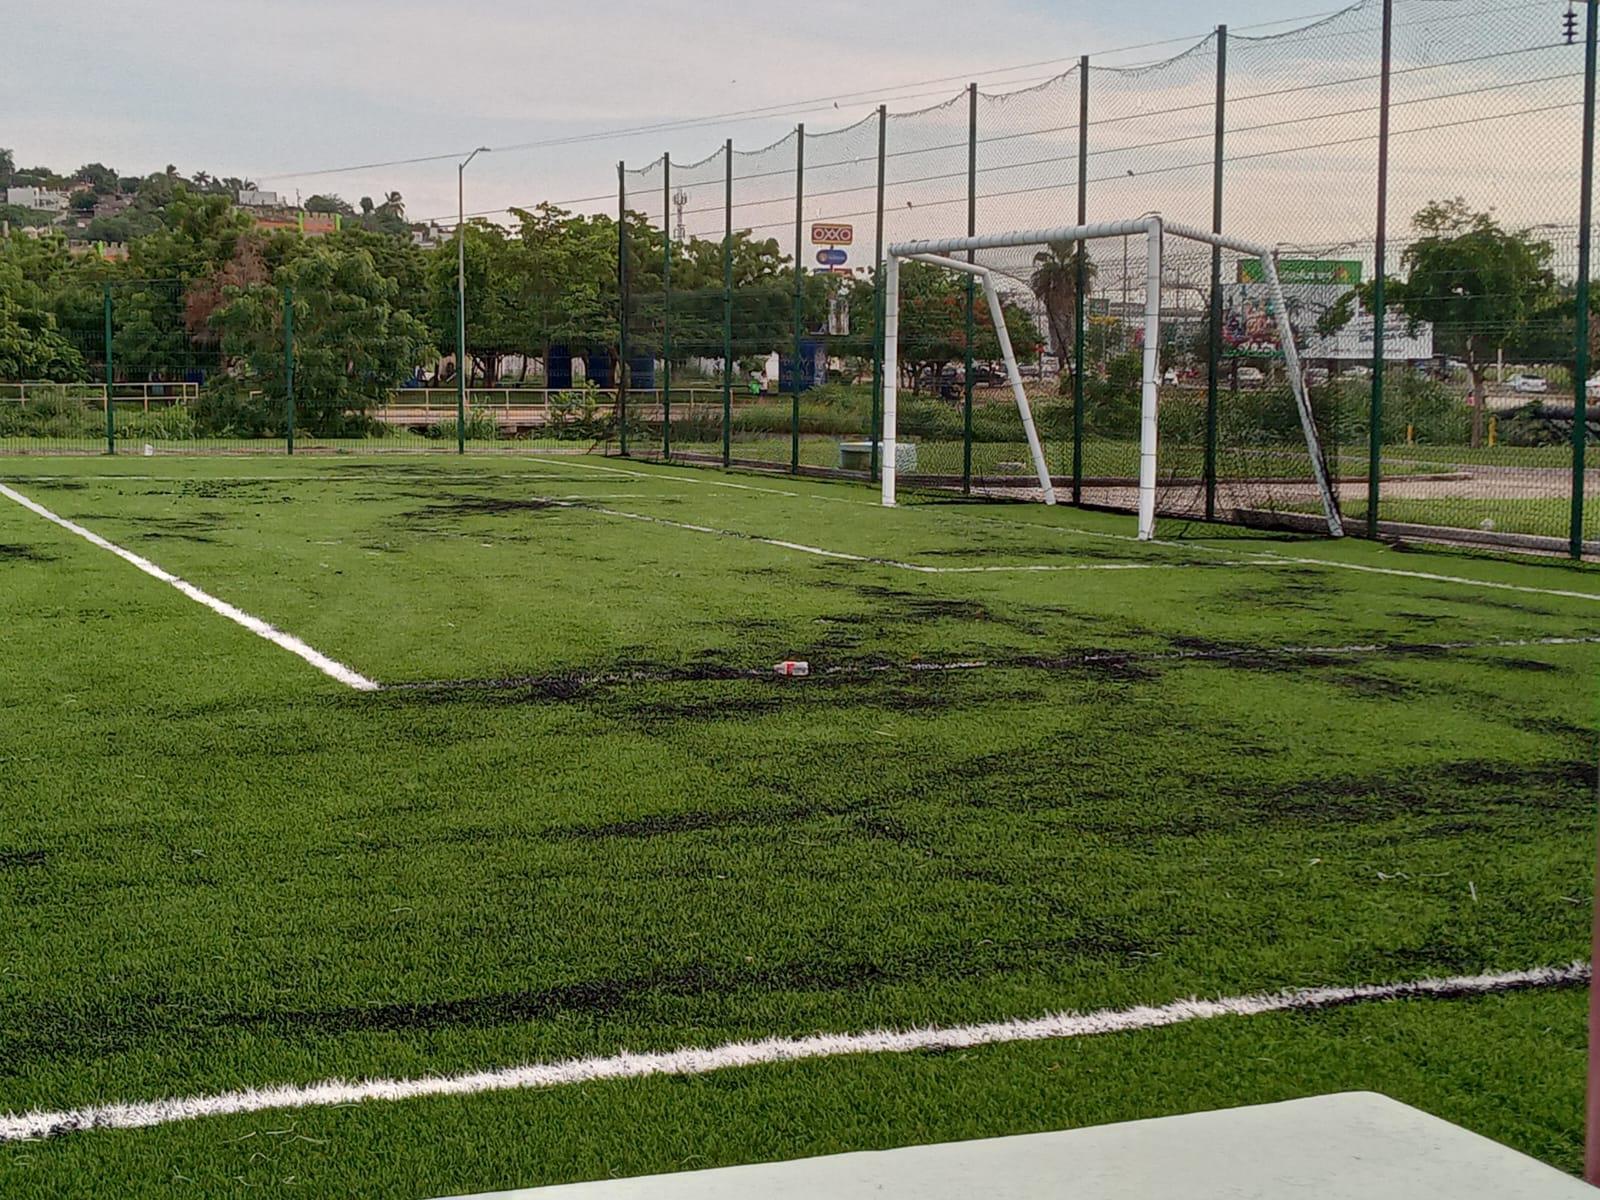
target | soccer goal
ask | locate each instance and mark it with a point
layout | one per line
(1284, 470)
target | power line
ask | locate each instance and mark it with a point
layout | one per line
(767, 110)
(1130, 148)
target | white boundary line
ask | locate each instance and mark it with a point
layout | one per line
(697, 1060)
(329, 667)
(1258, 557)
(1270, 556)
(895, 564)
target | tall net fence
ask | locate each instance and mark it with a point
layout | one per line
(741, 324)
(1469, 427)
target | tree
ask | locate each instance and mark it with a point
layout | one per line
(500, 318)
(352, 345)
(82, 200)
(330, 204)
(1055, 282)
(31, 345)
(8, 166)
(933, 324)
(98, 178)
(1481, 287)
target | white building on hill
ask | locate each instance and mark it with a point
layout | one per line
(37, 198)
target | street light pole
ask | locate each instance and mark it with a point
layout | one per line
(461, 299)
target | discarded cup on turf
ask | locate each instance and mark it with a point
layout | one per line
(149, 450)
(790, 667)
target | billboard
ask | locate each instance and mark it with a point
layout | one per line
(832, 233)
(1303, 270)
(1250, 323)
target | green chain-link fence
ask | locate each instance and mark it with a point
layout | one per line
(1478, 108)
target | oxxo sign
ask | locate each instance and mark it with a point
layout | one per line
(831, 233)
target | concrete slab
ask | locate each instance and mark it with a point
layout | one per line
(1352, 1146)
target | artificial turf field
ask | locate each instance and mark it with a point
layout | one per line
(580, 814)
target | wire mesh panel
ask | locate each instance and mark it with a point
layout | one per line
(1149, 137)
(648, 312)
(1487, 110)
(837, 330)
(695, 318)
(762, 300)
(1246, 458)
(926, 195)
(1277, 138)
(52, 380)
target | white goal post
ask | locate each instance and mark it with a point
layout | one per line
(939, 251)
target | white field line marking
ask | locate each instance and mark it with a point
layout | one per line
(1333, 564)
(701, 1060)
(663, 476)
(1431, 576)
(820, 552)
(330, 668)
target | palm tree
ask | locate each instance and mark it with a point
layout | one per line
(395, 203)
(1055, 282)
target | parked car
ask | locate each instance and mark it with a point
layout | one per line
(1250, 377)
(1533, 385)
(1316, 376)
(1593, 386)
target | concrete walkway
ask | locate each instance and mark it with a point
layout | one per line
(1354, 1146)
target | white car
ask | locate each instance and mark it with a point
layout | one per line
(1532, 385)
(1593, 386)
(1251, 377)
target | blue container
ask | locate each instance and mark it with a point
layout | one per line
(597, 368)
(558, 369)
(642, 372)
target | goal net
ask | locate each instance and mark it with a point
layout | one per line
(1093, 378)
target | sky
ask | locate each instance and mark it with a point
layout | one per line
(275, 92)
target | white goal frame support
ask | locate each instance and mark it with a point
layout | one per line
(1154, 230)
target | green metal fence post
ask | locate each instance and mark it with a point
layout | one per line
(288, 367)
(972, 323)
(1379, 299)
(666, 306)
(799, 296)
(1214, 347)
(878, 297)
(111, 415)
(622, 309)
(727, 305)
(1580, 376)
(1082, 296)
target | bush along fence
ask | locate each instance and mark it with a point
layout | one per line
(164, 366)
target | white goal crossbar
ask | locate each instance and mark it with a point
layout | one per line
(938, 252)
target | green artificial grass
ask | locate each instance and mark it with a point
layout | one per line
(584, 815)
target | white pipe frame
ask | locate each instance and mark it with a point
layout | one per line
(997, 315)
(937, 250)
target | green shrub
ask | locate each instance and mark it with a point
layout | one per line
(229, 409)
(575, 415)
(481, 427)
(54, 413)
(169, 423)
